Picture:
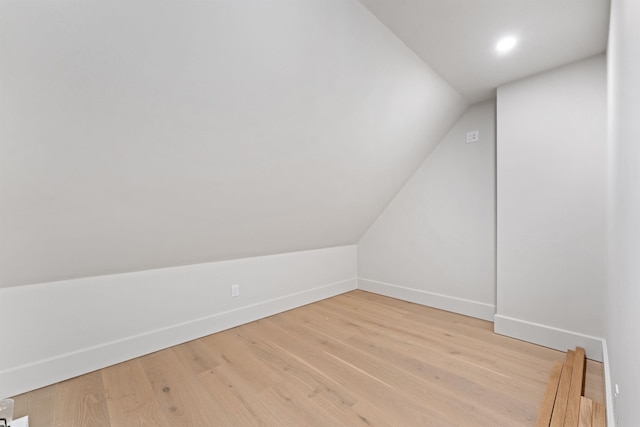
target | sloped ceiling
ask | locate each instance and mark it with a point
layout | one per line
(457, 38)
(142, 134)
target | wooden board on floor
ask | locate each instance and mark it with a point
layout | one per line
(598, 415)
(548, 401)
(586, 412)
(560, 408)
(576, 390)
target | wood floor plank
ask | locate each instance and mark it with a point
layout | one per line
(389, 309)
(474, 349)
(234, 408)
(324, 322)
(599, 415)
(576, 389)
(586, 412)
(235, 352)
(326, 393)
(81, 402)
(562, 397)
(294, 369)
(548, 402)
(196, 356)
(182, 398)
(130, 398)
(455, 359)
(594, 381)
(354, 359)
(368, 414)
(38, 405)
(391, 375)
(410, 333)
(407, 409)
(464, 381)
(291, 398)
(282, 407)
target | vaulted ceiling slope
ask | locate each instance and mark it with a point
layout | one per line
(141, 134)
(457, 38)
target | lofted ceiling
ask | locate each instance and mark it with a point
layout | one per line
(141, 134)
(457, 38)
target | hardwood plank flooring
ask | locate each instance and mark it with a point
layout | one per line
(562, 397)
(598, 415)
(81, 402)
(355, 359)
(130, 397)
(548, 401)
(576, 390)
(586, 413)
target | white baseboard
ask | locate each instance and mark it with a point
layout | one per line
(548, 336)
(444, 302)
(59, 330)
(48, 371)
(608, 386)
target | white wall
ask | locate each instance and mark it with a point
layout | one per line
(63, 329)
(138, 135)
(551, 171)
(435, 242)
(623, 281)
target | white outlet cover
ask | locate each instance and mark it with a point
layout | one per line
(235, 290)
(473, 136)
(20, 422)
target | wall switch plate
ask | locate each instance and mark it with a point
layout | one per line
(235, 290)
(473, 136)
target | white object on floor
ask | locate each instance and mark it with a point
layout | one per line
(20, 422)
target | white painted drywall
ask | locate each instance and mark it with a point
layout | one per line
(138, 135)
(551, 171)
(458, 38)
(63, 329)
(435, 242)
(623, 278)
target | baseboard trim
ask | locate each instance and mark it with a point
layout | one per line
(608, 386)
(44, 372)
(444, 302)
(548, 336)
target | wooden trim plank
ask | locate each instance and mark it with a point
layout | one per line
(562, 397)
(576, 389)
(548, 401)
(598, 415)
(586, 412)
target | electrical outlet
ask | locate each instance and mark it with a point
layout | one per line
(473, 136)
(235, 290)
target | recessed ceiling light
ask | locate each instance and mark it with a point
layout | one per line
(506, 44)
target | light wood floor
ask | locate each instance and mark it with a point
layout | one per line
(355, 359)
